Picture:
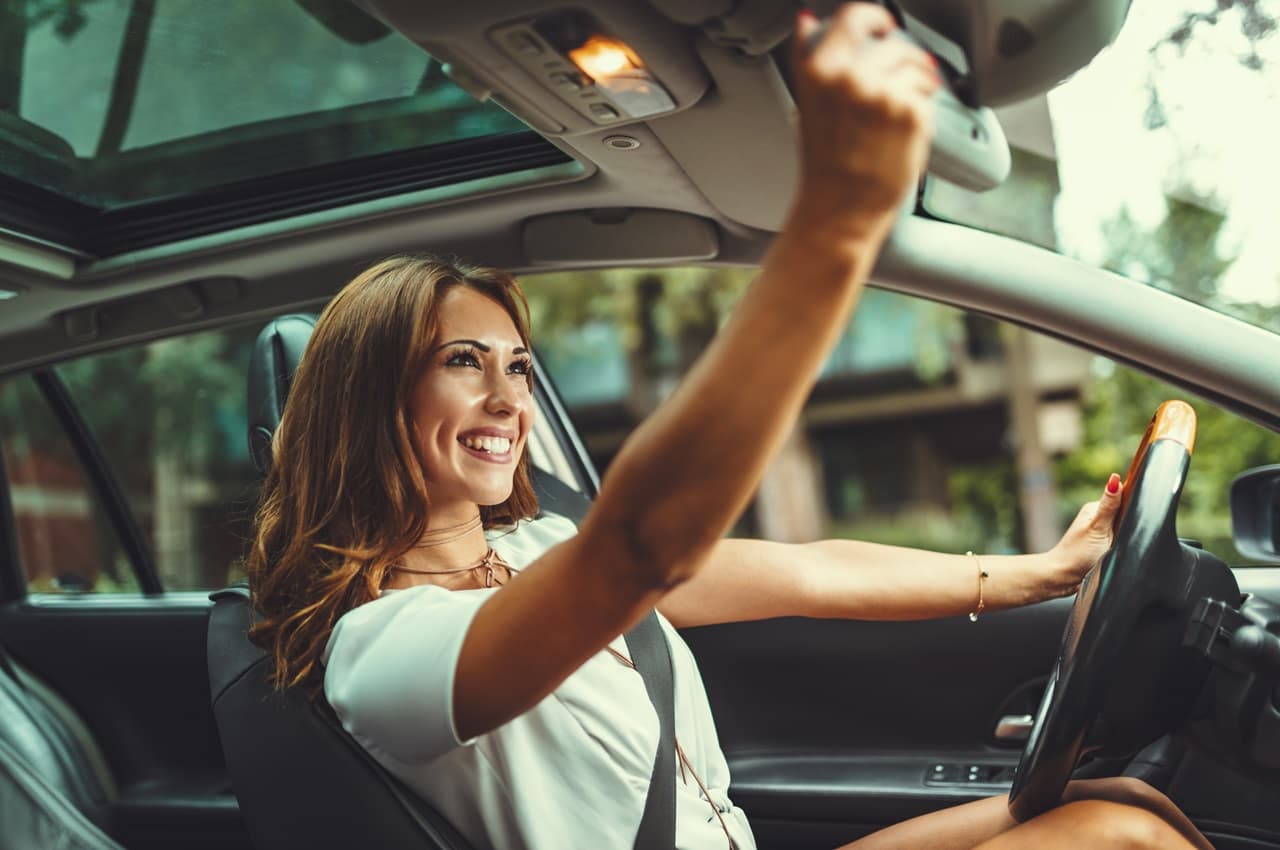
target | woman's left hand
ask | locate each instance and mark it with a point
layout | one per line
(1085, 542)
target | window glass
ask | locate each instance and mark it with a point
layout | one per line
(1157, 160)
(93, 96)
(169, 417)
(928, 427)
(65, 541)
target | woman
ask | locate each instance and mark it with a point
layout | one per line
(476, 654)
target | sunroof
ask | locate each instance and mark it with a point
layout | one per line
(114, 105)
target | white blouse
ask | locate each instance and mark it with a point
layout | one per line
(571, 772)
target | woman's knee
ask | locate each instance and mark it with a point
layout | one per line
(1117, 789)
(1110, 824)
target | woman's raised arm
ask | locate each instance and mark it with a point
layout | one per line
(865, 103)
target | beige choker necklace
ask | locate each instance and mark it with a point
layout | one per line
(486, 563)
(448, 534)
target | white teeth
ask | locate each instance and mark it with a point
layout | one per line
(493, 445)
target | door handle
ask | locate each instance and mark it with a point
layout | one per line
(1014, 727)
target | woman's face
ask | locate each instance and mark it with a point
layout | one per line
(472, 403)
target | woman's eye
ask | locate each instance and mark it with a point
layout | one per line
(463, 358)
(522, 367)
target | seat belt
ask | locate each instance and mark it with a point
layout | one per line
(651, 654)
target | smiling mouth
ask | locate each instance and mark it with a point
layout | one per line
(487, 445)
(488, 449)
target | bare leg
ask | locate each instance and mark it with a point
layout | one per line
(1119, 812)
(1093, 823)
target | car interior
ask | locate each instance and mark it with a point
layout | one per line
(546, 138)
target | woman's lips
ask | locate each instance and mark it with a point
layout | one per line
(488, 456)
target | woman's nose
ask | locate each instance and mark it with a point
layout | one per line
(504, 396)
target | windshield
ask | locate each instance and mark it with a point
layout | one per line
(1157, 160)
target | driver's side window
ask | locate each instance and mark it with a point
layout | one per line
(929, 426)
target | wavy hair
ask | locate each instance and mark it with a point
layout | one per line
(346, 496)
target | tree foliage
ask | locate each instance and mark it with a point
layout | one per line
(651, 308)
(1254, 21)
(1181, 254)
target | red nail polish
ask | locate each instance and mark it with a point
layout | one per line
(809, 14)
(1113, 484)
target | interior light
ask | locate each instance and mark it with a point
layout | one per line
(601, 57)
(594, 73)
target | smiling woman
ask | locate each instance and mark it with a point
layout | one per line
(399, 496)
(402, 339)
(472, 406)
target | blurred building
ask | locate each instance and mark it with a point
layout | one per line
(911, 392)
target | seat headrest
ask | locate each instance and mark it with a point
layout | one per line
(274, 360)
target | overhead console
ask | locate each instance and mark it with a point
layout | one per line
(564, 69)
(700, 75)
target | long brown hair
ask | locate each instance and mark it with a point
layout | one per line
(346, 496)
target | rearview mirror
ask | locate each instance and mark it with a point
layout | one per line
(1255, 513)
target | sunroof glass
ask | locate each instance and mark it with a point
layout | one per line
(116, 103)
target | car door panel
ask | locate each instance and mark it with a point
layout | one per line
(833, 728)
(841, 722)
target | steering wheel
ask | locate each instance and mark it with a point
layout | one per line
(1121, 680)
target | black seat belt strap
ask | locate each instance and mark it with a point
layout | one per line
(652, 656)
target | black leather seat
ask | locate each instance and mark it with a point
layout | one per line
(300, 779)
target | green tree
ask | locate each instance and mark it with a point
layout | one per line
(1181, 255)
(663, 318)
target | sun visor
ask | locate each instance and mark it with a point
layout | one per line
(619, 237)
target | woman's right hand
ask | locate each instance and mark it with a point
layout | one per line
(866, 116)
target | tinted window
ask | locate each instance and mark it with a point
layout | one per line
(95, 96)
(65, 541)
(928, 427)
(169, 417)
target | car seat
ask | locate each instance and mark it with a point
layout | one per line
(301, 780)
(51, 794)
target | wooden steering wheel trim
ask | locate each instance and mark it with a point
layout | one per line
(1173, 420)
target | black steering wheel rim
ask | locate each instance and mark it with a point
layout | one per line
(1114, 605)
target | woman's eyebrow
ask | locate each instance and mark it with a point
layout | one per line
(477, 344)
(474, 343)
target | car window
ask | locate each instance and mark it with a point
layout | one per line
(65, 541)
(928, 427)
(169, 417)
(98, 95)
(1146, 163)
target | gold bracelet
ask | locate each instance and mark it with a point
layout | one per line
(982, 576)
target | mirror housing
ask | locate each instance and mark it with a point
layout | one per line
(1255, 513)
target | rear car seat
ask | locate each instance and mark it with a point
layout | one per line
(54, 787)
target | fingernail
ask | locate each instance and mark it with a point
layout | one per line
(808, 14)
(1113, 484)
